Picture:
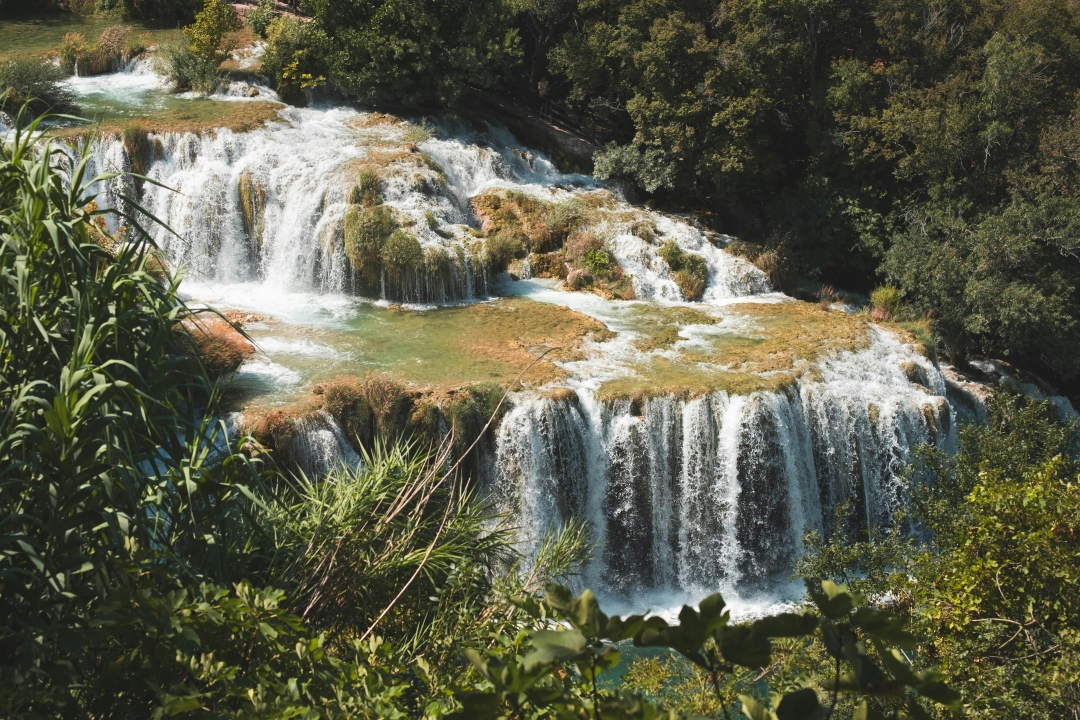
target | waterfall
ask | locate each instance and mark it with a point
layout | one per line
(715, 492)
(269, 206)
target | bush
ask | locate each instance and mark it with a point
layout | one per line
(598, 261)
(499, 251)
(889, 299)
(114, 42)
(185, 70)
(260, 18)
(287, 60)
(35, 82)
(688, 270)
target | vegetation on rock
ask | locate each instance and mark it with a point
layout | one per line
(35, 83)
(688, 270)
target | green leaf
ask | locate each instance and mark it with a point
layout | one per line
(883, 625)
(555, 645)
(753, 709)
(801, 705)
(865, 712)
(742, 646)
(786, 625)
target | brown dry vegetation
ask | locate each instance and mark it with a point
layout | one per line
(379, 408)
(218, 345)
(773, 261)
(781, 343)
(196, 116)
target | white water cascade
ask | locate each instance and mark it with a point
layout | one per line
(268, 206)
(683, 495)
(691, 495)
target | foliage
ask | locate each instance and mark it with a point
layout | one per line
(261, 16)
(888, 299)
(211, 27)
(499, 251)
(193, 63)
(105, 443)
(288, 60)
(184, 69)
(352, 546)
(411, 52)
(688, 270)
(989, 595)
(35, 82)
(575, 639)
(598, 260)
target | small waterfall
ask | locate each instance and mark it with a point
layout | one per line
(319, 445)
(269, 206)
(692, 495)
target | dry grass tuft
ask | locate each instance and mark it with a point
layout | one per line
(218, 345)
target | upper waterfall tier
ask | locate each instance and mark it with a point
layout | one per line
(340, 201)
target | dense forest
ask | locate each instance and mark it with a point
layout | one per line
(148, 568)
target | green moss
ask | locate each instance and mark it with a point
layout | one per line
(366, 232)
(538, 225)
(252, 202)
(401, 254)
(136, 137)
(368, 189)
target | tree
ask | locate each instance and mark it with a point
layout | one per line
(410, 52)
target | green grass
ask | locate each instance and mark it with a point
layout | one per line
(41, 35)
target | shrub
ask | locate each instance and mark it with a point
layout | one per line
(194, 63)
(70, 48)
(827, 295)
(185, 70)
(260, 18)
(499, 251)
(887, 298)
(598, 261)
(114, 43)
(35, 82)
(211, 27)
(688, 270)
(287, 59)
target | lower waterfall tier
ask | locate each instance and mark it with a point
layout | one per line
(684, 491)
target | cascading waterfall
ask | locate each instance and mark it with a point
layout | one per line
(691, 495)
(681, 494)
(269, 206)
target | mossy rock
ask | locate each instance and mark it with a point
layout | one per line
(538, 225)
(401, 255)
(368, 189)
(252, 206)
(366, 232)
(687, 270)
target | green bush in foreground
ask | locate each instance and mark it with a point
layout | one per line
(990, 594)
